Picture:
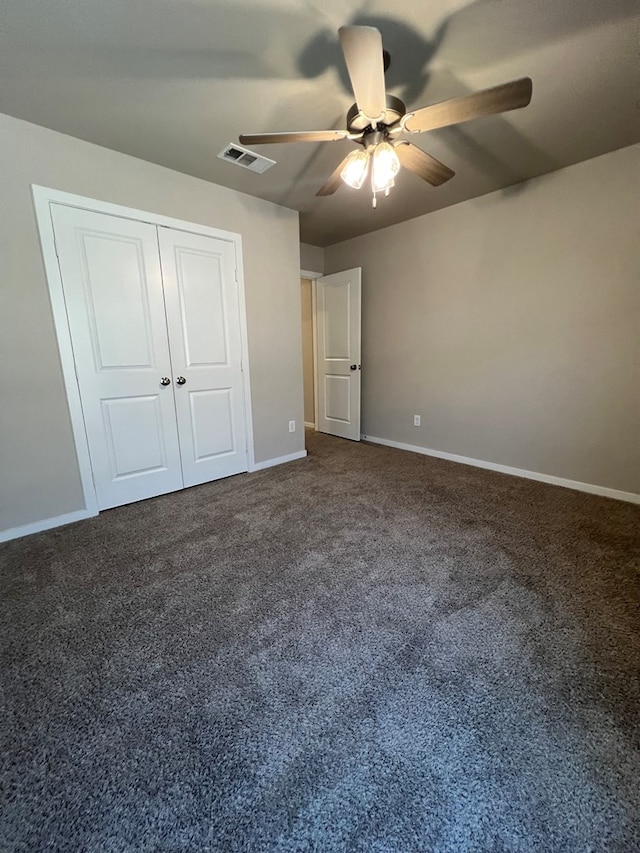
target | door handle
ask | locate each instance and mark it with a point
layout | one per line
(165, 381)
(180, 380)
(353, 367)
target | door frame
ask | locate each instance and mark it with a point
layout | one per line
(312, 276)
(43, 198)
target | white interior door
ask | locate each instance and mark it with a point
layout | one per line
(338, 299)
(112, 284)
(203, 318)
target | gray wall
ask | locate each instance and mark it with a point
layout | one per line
(311, 258)
(38, 470)
(511, 324)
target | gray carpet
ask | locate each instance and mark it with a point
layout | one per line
(366, 650)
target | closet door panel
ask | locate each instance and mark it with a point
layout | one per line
(113, 293)
(201, 296)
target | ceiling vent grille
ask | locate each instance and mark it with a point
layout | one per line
(247, 159)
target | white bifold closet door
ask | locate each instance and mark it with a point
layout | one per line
(201, 297)
(154, 321)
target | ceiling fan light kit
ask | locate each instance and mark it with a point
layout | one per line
(385, 166)
(383, 161)
(355, 169)
(377, 119)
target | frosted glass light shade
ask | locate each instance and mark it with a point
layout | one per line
(384, 168)
(355, 169)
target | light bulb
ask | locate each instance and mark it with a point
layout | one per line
(355, 169)
(384, 168)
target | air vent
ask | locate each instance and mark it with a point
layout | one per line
(245, 158)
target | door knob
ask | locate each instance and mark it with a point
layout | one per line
(180, 380)
(165, 381)
(353, 367)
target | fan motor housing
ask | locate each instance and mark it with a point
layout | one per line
(395, 109)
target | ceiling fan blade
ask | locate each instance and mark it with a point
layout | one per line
(362, 48)
(423, 164)
(335, 181)
(294, 136)
(499, 99)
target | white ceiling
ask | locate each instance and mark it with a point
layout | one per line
(174, 81)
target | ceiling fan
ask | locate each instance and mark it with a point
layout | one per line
(377, 119)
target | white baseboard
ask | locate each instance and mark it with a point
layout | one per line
(309, 426)
(45, 524)
(630, 497)
(279, 460)
(79, 515)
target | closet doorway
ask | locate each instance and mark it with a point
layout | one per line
(152, 334)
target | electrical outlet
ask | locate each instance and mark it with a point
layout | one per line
(416, 420)
(292, 426)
